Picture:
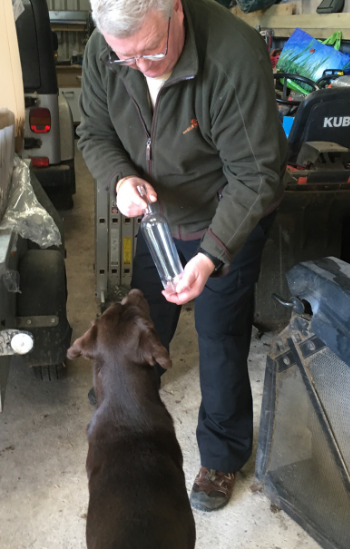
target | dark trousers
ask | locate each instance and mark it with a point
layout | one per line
(223, 318)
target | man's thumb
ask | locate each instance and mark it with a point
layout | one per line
(184, 283)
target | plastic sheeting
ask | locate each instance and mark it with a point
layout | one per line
(24, 215)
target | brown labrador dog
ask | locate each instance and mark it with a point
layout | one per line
(138, 497)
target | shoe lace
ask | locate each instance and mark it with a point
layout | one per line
(211, 475)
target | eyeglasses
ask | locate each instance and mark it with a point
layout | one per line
(113, 59)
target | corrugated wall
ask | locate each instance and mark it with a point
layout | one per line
(69, 42)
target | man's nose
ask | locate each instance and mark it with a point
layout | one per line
(143, 64)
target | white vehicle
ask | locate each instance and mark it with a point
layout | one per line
(49, 129)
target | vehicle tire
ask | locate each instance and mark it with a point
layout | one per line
(44, 294)
(61, 198)
(71, 165)
(50, 373)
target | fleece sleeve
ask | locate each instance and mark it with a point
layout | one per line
(252, 146)
(102, 150)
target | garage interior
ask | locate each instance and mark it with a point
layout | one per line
(43, 428)
(43, 442)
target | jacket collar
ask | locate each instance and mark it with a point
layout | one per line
(187, 65)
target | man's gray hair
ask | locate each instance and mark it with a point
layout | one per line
(122, 18)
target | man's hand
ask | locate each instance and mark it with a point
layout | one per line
(195, 276)
(129, 201)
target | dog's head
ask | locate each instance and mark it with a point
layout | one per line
(125, 331)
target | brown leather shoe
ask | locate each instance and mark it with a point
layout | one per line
(211, 489)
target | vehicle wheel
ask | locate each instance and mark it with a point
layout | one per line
(50, 373)
(62, 198)
(44, 293)
(71, 165)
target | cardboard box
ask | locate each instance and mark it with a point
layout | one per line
(11, 88)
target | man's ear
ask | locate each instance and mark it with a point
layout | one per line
(153, 351)
(85, 345)
(178, 6)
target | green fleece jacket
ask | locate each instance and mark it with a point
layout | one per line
(213, 149)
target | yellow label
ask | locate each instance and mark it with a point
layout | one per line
(127, 250)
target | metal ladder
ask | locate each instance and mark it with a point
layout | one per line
(115, 245)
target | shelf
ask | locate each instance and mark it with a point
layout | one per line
(319, 26)
(71, 21)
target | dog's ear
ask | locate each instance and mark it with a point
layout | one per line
(153, 351)
(84, 345)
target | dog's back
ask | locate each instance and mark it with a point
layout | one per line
(138, 497)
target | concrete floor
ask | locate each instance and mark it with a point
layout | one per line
(43, 485)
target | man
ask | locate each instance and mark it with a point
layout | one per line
(178, 95)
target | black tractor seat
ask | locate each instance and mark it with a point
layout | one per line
(319, 141)
(324, 116)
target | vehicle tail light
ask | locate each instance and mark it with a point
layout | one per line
(39, 161)
(40, 120)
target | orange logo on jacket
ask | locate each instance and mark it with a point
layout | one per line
(194, 124)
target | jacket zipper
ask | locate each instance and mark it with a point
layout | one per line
(148, 154)
(148, 134)
(149, 139)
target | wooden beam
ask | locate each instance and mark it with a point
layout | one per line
(319, 26)
(74, 27)
(278, 9)
(321, 34)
